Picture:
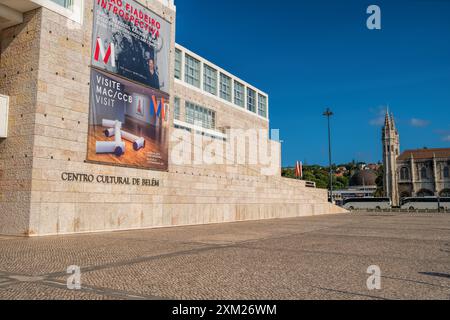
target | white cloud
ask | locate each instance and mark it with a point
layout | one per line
(377, 121)
(419, 123)
(444, 134)
(379, 113)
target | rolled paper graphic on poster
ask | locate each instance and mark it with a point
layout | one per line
(110, 132)
(105, 147)
(138, 142)
(120, 149)
(110, 123)
(120, 145)
(117, 132)
(111, 147)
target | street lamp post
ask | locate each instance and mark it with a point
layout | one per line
(328, 113)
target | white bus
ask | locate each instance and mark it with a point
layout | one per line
(428, 203)
(367, 203)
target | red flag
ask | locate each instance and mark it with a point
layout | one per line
(297, 170)
(301, 170)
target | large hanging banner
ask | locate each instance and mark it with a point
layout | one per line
(131, 41)
(128, 123)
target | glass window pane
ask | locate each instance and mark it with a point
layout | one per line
(200, 116)
(176, 109)
(251, 100)
(262, 105)
(210, 79)
(64, 3)
(192, 71)
(178, 64)
(239, 94)
(225, 87)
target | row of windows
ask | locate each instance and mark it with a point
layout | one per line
(222, 88)
(195, 114)
(404, 173)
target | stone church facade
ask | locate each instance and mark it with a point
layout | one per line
(413, 173)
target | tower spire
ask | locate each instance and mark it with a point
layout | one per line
(391, 149)
(392, 122)
(387, 120)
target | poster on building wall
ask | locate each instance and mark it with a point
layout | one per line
(128, 123)
(131, 41)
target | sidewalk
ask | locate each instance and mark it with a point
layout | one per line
(304, 258)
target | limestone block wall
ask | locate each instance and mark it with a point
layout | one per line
(49, 127)
(19, 63)
(226, 117)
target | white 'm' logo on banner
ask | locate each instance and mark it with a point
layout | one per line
(105, 55)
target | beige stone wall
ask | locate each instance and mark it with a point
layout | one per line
(49, 124)
(19, 61)
(226, 117)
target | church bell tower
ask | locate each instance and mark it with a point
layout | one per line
(391, 150)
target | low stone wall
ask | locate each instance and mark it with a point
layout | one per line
(62, 207)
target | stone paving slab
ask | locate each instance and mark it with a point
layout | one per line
(322, 257)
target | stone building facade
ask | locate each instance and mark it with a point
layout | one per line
(424, 173)
(45, 69)
(413, 173)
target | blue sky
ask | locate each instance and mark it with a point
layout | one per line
(309, 55)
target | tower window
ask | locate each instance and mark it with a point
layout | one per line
(446, 172)
(404, 173)
(423, 173)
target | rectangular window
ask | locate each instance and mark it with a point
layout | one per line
(262, 105)
(71, 9)
(64, 3)
(176, 108)
(178, 54)
(225, 87)
(210, 79)
(200, 116)
(239, 94)
(192, 71)
(251, 100)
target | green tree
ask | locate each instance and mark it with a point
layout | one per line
(379, 181)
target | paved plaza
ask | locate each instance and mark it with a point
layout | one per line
(324, 257)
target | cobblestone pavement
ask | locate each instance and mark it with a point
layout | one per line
(323, 257)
